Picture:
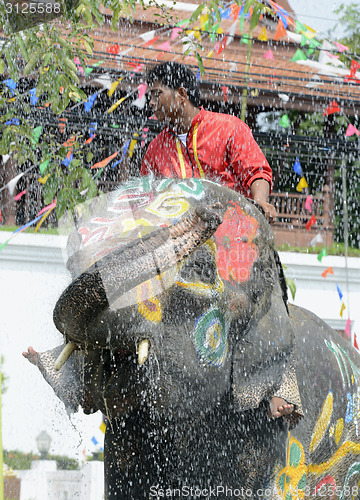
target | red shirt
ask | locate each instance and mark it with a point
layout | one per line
(225, 151)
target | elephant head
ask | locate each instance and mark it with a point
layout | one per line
(169, 276)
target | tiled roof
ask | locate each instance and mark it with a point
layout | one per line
(306, 85)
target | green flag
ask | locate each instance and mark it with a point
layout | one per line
(299, 56)
(4, 244)
(36, 135)
(183, 23)
(245, 39)
(299, 27)
(304, 40)
(322, 254)
(285, 122)
(313, 44)
(43, 166)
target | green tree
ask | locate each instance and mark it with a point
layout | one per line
(18, 460)
(349, 22)
(47, 55)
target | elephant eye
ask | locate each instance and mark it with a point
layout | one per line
(200, 266)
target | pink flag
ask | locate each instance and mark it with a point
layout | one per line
(48, 207)
(175, 33)
(164, 46)
(341, 47)
(331, 55)
(18, 196)
(269, 55)
(348, 328)
(308, 203)
(351, 130)
(142, 89)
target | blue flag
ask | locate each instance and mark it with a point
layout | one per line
(11, 85)
(339, 291)
(33, 98)
(89, 104)
(297, 167)
(94, 440)
(13, 121)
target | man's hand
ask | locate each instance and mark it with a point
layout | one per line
(270, 210)
(260, 192)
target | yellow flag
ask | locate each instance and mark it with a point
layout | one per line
(342, 309)
(302, 184)
(103, 427)
(131, 147)
(113, 86)
(114, 106)
(262, 35)
(210, 53)
(203, 21)
(42, 219)
(42, 180)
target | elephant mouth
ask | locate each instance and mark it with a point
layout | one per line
(95, 290)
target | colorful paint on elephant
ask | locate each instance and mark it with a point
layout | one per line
(148, 305)
(211, 290)
(326, 479)
(291, 480)
(236, 252)
(210, 337)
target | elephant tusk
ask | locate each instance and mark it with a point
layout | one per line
(143, 351)
(64, 355)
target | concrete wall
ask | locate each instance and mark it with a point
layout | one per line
(44, 482)
(32, 276)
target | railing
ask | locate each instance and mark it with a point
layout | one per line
(290, 227)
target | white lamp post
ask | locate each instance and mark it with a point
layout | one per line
(43, 444)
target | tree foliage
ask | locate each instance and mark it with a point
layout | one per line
(46, 54)
(18, 460)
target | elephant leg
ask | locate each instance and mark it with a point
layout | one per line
(263, 445)
(132, 458)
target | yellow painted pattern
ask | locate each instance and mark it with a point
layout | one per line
(204, 288)
(355, 497)
(288, 479)
(323, 423)
(149, 308)
(345, 448)
(169, 204)
(130, 224)
(339, 430)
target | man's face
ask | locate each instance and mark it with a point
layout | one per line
(165, 103)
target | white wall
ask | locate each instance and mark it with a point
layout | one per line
(32, 276)
(319, 294)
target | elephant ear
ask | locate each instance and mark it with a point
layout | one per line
(264, 356)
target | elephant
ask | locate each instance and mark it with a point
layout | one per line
(178, 329)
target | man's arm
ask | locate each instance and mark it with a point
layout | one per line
(260, 190)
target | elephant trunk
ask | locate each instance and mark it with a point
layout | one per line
(127, 267)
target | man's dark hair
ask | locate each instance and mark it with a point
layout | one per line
(175, 75)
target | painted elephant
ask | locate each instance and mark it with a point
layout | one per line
(179, 319)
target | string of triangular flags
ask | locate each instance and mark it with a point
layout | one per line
(302, 184)
(329, 271)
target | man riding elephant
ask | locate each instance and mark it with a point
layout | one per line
(202, 144)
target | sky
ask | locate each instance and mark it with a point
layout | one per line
(318, 14)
